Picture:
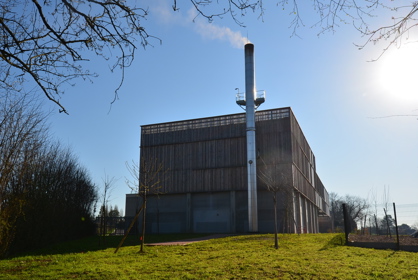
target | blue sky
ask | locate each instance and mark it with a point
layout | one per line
(337, 96)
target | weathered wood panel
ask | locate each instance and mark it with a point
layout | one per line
(208, 155)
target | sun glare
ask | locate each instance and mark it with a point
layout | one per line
(398, 73)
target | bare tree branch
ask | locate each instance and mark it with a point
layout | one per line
(392, 116)
(393, 33)
(147, 179)
(47, 42)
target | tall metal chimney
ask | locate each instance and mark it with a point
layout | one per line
(250, 96)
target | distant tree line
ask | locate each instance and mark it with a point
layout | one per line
(112, 211)
(357, 208)
(109, 221)
(363, 217)
(45, 195)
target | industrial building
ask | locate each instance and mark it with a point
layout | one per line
(220, 174)
(204, 188)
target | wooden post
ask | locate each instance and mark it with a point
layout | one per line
(129, 229)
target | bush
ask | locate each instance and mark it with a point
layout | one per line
(45, 195)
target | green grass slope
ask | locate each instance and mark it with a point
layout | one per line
(307, 256)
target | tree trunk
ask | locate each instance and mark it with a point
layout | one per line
(129, 228)
(387, 224)
(276, 241)
(143, 222)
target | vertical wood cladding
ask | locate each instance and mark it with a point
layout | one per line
(304, 174)
(209, 154)
(200, 159)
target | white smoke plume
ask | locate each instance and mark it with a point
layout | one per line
(212, 31)
(206, 30)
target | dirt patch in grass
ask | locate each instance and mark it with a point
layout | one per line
(404, 240)
(190, 240)
(407, 243)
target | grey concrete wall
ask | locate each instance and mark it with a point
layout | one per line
(241, 210)
(221, 212)
(265, 212)
(167, 214)
(132, 205)
(211, 212)
(325, 224)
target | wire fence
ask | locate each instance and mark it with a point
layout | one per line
(110, 225)
(381, 219)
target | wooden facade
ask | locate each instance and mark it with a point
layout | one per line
(208, 155)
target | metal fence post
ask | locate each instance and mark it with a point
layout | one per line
(347, 223)
(396, 226)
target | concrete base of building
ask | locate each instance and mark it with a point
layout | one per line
(222, 212)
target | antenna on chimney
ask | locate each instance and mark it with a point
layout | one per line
(258, 96)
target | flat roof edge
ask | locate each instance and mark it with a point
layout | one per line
(261, 115)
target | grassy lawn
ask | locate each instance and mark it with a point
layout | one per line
(308, 256)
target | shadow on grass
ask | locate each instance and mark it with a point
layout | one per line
(338, 240)
(96, 243)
